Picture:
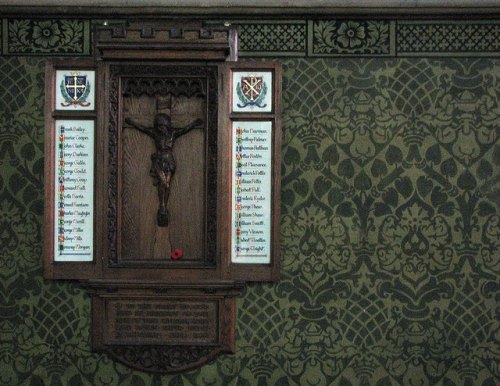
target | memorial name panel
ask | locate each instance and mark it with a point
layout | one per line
(251, 192)
(162, 322)
(74, 190)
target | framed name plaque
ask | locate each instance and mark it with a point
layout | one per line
(254, 127)
(162, 186)
(70, 139)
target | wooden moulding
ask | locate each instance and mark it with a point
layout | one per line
(275, 9)
(165, 41)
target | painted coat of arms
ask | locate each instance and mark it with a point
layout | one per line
(75, 90)
(251, 91)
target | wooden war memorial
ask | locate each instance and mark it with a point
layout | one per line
(162, 189)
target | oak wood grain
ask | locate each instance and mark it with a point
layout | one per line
(142, 238)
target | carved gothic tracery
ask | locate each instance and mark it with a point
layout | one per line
(155, 86)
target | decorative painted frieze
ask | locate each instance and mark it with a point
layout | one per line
(45, 37)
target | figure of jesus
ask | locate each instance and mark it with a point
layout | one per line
(163, 162)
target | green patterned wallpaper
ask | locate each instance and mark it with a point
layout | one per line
(390, 214)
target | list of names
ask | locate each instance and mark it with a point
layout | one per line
(251, 192)
(74, 191)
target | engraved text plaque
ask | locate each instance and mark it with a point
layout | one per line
(162, 322)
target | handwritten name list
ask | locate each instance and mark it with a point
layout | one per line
(74, 191)
(251, 192)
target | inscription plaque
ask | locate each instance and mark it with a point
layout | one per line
(162, 322)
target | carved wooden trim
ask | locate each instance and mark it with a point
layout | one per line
(164, 86)
(164, 40)
(113, 164)
(163, 359)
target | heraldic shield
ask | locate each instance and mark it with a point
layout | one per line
(251, 91)
(75, 89)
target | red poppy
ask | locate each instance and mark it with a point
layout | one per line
(176, 254)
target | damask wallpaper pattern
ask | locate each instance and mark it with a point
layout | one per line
(390, 222)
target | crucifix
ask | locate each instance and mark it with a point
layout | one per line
(163, 161)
